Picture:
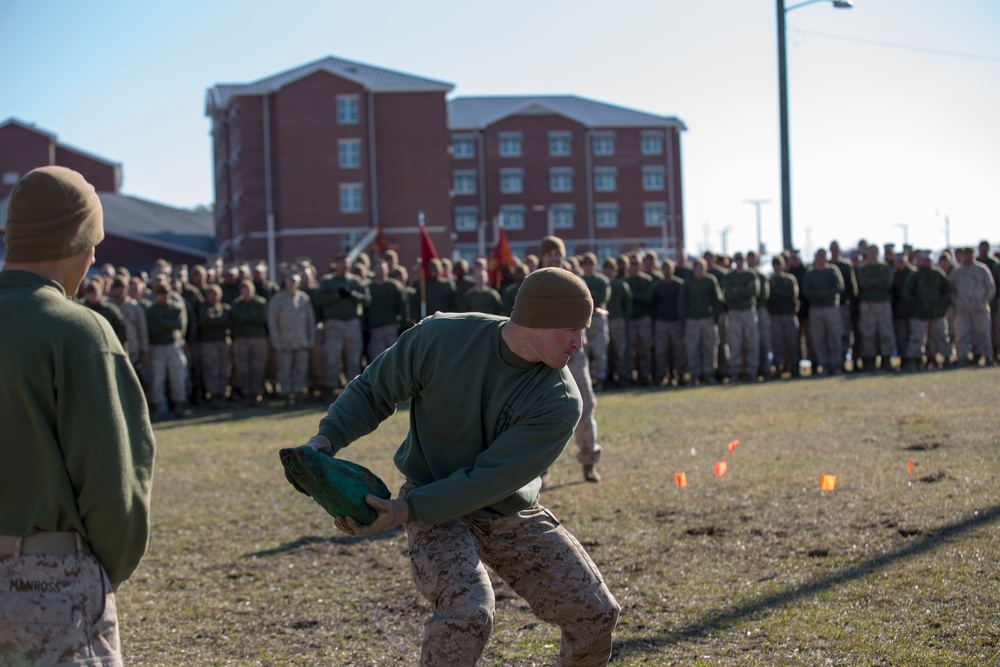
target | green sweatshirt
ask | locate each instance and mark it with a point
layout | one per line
(823, 287)
(641, 285)
(620, 302)
(215, 322)
(874, 281)
(484, 423)
(668, 300)
(741, 289)
(702, 298)
(77, 448)
(388, 304)
(249, 317)
(341, 297)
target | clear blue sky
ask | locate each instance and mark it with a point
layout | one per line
(894, 104)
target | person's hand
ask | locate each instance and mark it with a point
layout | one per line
(391, 513)
(345, 292)
(320, 443)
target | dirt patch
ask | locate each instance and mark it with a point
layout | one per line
(923, 446)
(933, 477)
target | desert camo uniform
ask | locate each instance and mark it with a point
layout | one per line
(77, 455)
(472, 461)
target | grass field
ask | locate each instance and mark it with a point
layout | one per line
(757, 567)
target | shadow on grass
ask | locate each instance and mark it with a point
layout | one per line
(307, 540)
(726, 619)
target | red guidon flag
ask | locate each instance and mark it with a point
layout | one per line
(427, 251)
(501, 256)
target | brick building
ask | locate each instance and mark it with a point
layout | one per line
(137, 231)
(309, 160)
(604, 178)
(24, 147)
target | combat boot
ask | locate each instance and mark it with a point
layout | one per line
(590, 473)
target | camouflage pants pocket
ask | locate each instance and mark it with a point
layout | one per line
(57, 610)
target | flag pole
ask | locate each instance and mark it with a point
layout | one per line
(423, 278)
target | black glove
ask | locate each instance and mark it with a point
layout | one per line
(344, 292)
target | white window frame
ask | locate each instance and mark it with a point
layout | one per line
(468, 144)
(562, 215)
(464, 182)
(348, 109)
(560, 144)
(604, 144)
(466, 218)
(351, 197)
(349, 153)
(605, 179)
(558, 176)
(510, 144)
(654, 178)
(654, 213)
(512, 181)
(606, 215)
(513, 216)
(652, 142)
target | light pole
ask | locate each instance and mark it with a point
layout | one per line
(786, 187)
(757, 204)
(723, 236)
(906, 234)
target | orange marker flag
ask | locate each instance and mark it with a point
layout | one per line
(827, 482)
(909, 468)
(731, 446)
(681, 479)
(720, 468)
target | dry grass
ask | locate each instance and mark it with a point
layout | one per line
(753, 568)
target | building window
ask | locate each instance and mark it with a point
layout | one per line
(347, 109)
(604, 144)
(605, 179)
(11, 177)
(466, 218)
(652, 143)
(463, 146)
(654, 213)
(510, 144)
(350, 198)
(561, 179)
(607, 216)
(559, 143)
(512, 217)
(652, 178)
(463, 182)
(562, 216)
(349, 153)
(511, 181)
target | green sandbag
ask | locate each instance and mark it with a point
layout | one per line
(338, 486)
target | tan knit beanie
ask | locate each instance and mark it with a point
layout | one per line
(53, 213)
(550, 243)
(553, 299)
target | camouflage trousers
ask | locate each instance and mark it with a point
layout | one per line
(216, 362)
(250, 357)
(701, 340)
(785, 341)
(928, 337)
(586, 429)
(875, 324)
(535, 556)
(764, 336)
(342, 341)
(597, 345)
(671, 358)
(291, 370)
(639, 351)
(617, 343)
(827, 337)
(57, 610)
(169, 365)
(743, 338)
(381, 338)
(972, 332)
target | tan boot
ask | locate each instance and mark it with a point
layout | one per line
(590, 474)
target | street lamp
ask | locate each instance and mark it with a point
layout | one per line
(906, 233)
(786, 189)
(757, 204)
(723, 236)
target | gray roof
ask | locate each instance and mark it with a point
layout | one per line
(153, 224)
(374, 79)
(476, 113)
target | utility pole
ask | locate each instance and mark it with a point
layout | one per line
(757, 204)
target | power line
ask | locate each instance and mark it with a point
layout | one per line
(903, 47)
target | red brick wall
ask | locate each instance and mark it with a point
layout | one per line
(21, 150)
(103, 176)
